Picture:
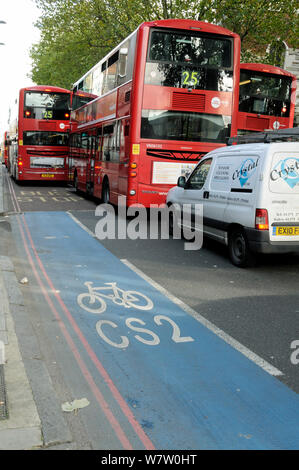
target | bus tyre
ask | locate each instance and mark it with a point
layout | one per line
(106, 192)
(239, 250)
(76, 183)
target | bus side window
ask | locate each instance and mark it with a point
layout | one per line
(84, 142)
(99, 142)
(111, 142)
(116, 142)
(122, 63)
(77, 141)
(107, 144)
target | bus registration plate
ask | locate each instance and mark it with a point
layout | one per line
(286, 231)
(47, 175)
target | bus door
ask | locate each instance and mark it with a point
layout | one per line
(124, 148)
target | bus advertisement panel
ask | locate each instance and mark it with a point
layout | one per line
(267, 98)
(39, 134)
(167, 95)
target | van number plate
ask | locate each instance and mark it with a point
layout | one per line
(285, 231)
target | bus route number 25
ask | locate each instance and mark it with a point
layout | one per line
(48, 114)
(190, 78)
(146, 336)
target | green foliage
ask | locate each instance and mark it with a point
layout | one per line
(76, 34)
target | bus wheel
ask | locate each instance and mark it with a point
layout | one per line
(106, 192)
(239, 250)
(76, 182)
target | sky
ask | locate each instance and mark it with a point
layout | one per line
(18, 34)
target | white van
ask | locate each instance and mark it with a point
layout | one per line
(250, 198)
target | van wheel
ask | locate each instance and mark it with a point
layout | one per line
(239, 251)
(171, 220)
(174, 227)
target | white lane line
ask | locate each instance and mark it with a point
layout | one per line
(220, 333)
(81, 225)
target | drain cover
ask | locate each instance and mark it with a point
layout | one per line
(3, 397)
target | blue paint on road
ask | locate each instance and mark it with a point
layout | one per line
(196, 394)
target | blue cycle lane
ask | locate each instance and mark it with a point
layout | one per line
(185, 386)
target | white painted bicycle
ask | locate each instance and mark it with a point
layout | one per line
(93, 300)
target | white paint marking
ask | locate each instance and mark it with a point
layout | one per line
(81, 225)
(217, 331)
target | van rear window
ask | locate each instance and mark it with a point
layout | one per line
(284, 173)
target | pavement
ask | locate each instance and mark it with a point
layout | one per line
(20, 424)
(22, 428)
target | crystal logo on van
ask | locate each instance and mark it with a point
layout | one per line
(246, 170)
(287, 170)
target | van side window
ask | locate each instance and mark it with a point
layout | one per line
(199, 175)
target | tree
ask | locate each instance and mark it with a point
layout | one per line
(258, 23)
(76, 34)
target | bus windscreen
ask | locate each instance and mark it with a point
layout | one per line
(44, 138)
(264, 94)
(42, 105)
(189, 60)
(184, 126)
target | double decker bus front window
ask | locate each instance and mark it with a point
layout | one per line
(184, 126)
(45, 138)
(264, 94)
(42, 105)
(183, 60)
(81, 98)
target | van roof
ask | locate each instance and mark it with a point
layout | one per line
(280, 135)
(254, 147)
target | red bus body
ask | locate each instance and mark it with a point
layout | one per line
(39, 134)
(143, 131)
(267, 98)
(5, 147)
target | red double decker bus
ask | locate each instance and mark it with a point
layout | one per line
(167, 95)
(266, 99)
(39, 134)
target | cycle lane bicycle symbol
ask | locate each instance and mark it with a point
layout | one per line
(94, 302)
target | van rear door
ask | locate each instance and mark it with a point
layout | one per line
(284, 191)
